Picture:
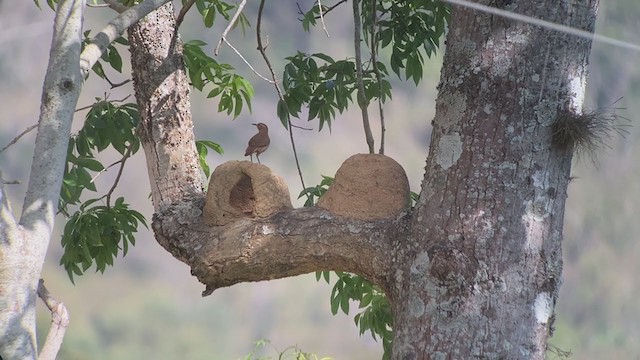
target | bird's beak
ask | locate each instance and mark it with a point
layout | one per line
(254, 124)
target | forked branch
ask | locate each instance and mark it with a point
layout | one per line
(59, 323)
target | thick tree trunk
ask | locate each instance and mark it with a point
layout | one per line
(23, 244)
(483, 266)
(162, 92)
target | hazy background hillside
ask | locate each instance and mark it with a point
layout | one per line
(149, 307)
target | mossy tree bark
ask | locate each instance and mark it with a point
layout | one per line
(484, 259)
(474, 270)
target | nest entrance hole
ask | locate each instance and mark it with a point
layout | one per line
(241, 196)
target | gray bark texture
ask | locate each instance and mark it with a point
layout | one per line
(23, 243)
(480, 272)
(473, 271)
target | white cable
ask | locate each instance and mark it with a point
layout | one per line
(546, 24)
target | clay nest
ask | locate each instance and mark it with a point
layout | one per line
(240, 189)
(368, 187)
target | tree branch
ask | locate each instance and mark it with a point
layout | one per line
(22, 253)
(183, 13)
(8, 225)
(275, 84)
(248, 63)
(324, 27)
(59, 323)
(230, 26)
(362, 100)
(329, 9)
(376, 70)
(288, 243)
(15, 140)
(117, 180)
(116, 27)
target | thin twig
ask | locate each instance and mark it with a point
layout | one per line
(59, 323)
(15, 140)
(183, 13)
(94, 104)
(275, 84)
(362, 100)
(115, 85)
(376, 70)
(230, 26)
(248, 63)
(117, 180)
(329, 9)
(299, 127)
(93, 179)
(324, 27)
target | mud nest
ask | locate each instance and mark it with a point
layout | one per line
(368, 187)
(240, 189)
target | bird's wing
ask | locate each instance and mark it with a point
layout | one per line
(258, 141)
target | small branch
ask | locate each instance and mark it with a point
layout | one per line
(248, 63)
(94, 104)
(362, 100)
(15, 140)
(117, 180)
(324, 27)
(275, 84)
(183, 13)
(300, 127)
(59, 323)
(223, 38)
(115, 85)
(230, 26)
(376, 70)
(116, 27)
(93, 179)
(329, 9)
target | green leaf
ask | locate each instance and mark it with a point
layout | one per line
(89, 163)
(324, 57)
(98, 70)
(209, 17)
(114, 59)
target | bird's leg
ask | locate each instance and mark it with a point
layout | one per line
(251, 157)
(258, 157)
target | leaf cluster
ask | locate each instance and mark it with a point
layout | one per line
(326, 87)
(203, 147)
(106, 125)
(410, 27)
(234, 90)
(210, 9)
(97, 234)
(315, 192)
(376, 315)
(291, 352)
(94, 233)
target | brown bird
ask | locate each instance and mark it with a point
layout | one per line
(259, 142)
